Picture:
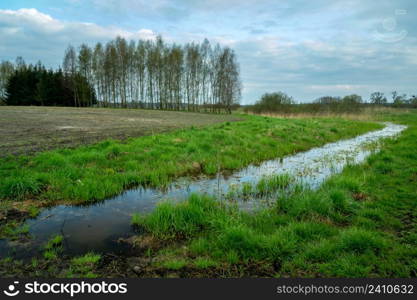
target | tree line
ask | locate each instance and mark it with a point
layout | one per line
(282, 103)
(157, 75)
(23, 84)
(397, 100)
(144, 74)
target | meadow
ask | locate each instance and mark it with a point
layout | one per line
(360, 223)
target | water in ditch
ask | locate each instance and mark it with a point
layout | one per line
(98, 227)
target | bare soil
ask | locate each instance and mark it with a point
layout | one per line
(30, 129)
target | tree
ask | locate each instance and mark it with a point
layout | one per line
(378, 98)
(98, 73)
(34, 85)
(397, 99)
(326, 100)
(413, 101)
(6, 70)
(352, 99)
(70, 68)
(85, 57)
(271, 102)
(20, 63)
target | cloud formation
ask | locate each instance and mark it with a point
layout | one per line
(305, 48)
(38, 36)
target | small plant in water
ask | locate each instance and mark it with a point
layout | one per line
(272, 184)
(54, 242)
(53, 247)
(13, 230)
(136, 220)
(246, 189)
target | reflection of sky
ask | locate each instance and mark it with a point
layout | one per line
(97, 227)
(305, 48)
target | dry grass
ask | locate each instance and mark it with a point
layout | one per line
(367, 114)
(29, 129)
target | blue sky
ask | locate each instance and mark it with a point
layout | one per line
(304, 48)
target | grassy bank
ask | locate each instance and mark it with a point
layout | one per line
(98, 171)
(361, 223)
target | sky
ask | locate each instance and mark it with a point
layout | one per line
(306, 49)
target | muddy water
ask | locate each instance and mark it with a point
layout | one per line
(98, 227)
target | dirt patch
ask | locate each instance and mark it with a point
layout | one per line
(141, 266)
(359, 196)
(30, 129)
(12, 214)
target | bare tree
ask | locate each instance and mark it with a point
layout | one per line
(70, 68)
(6, 70)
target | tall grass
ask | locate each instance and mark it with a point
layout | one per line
(183, 220)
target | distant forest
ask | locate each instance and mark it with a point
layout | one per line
(143, 74)
(280, 102)
(35, 85)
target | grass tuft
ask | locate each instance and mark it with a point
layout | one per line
(83, 266)
(19, 187)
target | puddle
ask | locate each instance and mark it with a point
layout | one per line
(97, 227)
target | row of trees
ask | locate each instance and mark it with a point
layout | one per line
(35, 85)
(154, 74)
(396, 99)
(376, 98)
(145, 74)
(282, 103)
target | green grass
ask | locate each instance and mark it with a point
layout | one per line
(53, 247)
(20, 186)
(13, 230)
(54, 242)
(171, 220)
(268, 185)
(174, 264)
(83, 266)
(272, 183)
(94, 172)
(52, 265)
(136, 220)
(360, 223)
(204, 263)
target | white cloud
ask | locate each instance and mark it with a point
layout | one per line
(32, 34)
(337, 87)
(29, 17)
